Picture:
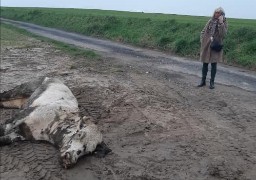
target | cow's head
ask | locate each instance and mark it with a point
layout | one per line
(83, 141)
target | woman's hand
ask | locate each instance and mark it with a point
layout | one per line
(221, 18)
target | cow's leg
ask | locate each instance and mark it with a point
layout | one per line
(2, 130)
(102, 150)
(19, 95)
(15, 121)
(10, 138)
(5, 129)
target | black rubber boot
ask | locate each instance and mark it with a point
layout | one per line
(213, 73)
(204, 74)
(211, 84)
(202, 83)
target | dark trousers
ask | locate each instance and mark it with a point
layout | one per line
(205, 70)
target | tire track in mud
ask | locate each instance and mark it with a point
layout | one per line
(90, 102)
(30, 161)
(27, 160)
(200, 144)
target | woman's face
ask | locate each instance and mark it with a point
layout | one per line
(217, 14)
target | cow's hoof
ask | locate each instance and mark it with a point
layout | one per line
(102, 150)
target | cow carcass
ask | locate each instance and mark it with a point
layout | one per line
(49, 112)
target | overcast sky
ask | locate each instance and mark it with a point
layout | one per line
(235, 9)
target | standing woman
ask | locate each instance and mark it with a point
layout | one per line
(212, 44)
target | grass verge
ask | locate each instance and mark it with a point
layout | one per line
(71, 50)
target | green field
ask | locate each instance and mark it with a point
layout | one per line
(173, 33)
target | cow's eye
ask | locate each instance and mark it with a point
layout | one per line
(78, 152)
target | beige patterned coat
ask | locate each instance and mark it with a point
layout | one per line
(206, 54)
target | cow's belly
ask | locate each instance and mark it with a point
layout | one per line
(56, 94)
(39, 120)
(50, 106)
(43, 118)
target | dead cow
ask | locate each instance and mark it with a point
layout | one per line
(49, 112)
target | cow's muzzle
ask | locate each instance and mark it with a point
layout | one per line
(67, 160)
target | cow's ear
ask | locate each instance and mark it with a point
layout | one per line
(88, 120)
(85, 119)
(67, 155)
(80, 125)
(82, 134)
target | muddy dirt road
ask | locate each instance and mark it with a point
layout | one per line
(157, 123)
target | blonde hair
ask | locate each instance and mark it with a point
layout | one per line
(221, 10)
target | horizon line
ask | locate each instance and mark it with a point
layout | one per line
(130, 11)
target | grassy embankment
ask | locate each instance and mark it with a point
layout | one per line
(172, 33)
(14, 37)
